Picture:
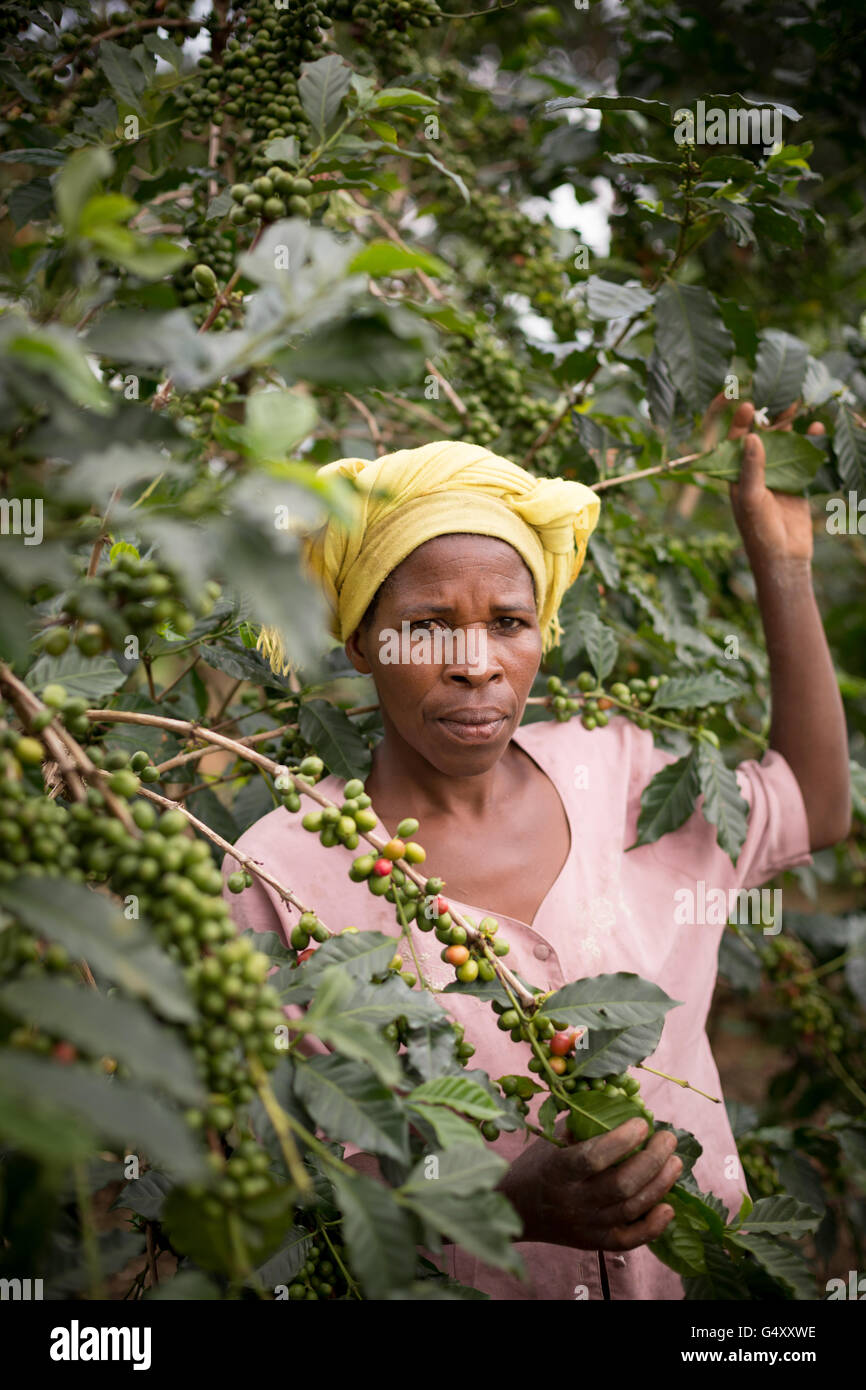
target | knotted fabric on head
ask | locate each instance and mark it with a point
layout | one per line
(445, 488)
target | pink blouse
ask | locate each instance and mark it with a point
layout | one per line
(607, 911)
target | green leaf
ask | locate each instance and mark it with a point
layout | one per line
(727, 166)
(425, 157)
(695, 692)
(93, 928)
(30, 202)
(377, 1234)
(238, 1237)
(458, 1092)
(780, 1216)
(724, 805)
(145, 1195)
(661, 392)
(609, 1001)
(125, 77)
(189, 1285)
(341, 1015)
(335, 738)
(783, 1264)
(321, 87)
(739, 223)
(39, 156)
(76, 181)
(401, 96)
(276, 421)
(430, 1049)
(688, 1149)
(668, 799)
(379, 258)
(485, 1224)
(607, 300)
(148, 259)
(780, 369)
(653, 166)
(105, 1027)
(693, 341)
(351, 1105)
(362, 955)
(658, 110)
(681, 1244)
(463, 1169)
(600, 642)
(597, 1113)
(722, 1280)
(123, 1114)
(611, 1050)
(163, 48)
(15, 619)
(44, 1131)
(705, 1211)
(742, 325)
(53, 352)
(442, 1128)
(282, 1267)
(241, 664)
(105, 208)
(792, 461)
(284, 149)
(849, 446)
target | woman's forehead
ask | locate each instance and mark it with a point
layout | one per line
(459, 549)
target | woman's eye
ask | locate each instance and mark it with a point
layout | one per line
(426, 623)
(514, 623)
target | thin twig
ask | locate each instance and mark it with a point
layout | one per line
(370, 419)
(251, 865)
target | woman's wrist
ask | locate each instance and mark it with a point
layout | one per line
(781, 573)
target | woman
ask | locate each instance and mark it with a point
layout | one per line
(531, 824)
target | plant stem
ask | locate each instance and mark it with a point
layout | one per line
(282, 1126)
(678, 1081)
(825, 969)
(88, 1233)
(350, 1282)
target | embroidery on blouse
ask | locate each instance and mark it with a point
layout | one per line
(598, 914)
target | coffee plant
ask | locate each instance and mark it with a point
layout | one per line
(238, 241)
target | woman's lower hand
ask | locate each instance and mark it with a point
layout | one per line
(577, 1196)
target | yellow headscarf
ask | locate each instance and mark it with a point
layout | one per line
(447, 487)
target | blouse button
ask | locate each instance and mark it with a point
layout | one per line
(541, 951)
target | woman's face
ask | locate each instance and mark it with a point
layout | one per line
(456, 708)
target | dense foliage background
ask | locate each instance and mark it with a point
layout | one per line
(240, 241)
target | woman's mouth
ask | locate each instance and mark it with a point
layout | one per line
(473, 726)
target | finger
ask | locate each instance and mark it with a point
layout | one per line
(589, 1157)
(639, 1232)
(816, 428)
(616, 1185)
(742, 421)
(751, 481)
(641, 1202)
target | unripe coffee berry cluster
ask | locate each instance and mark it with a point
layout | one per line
(320, 1276)
(130, 597)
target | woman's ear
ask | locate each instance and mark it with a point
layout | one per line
(356, 652)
